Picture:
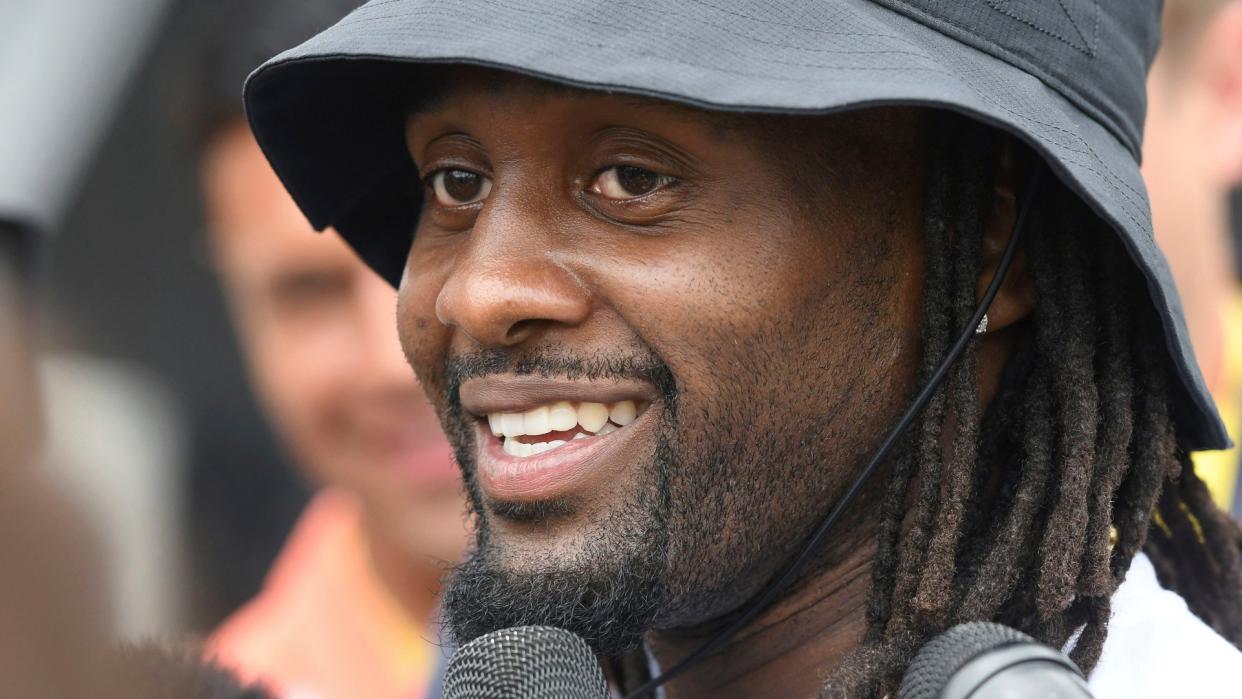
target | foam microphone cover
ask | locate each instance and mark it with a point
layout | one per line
(982, 660)
(526, 662)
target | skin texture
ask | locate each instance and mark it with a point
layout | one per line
(767, 294)
(317, 331)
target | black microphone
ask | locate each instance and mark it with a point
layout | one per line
(982, 660)
(526, 662)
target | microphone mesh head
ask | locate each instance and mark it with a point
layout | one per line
(945, 654)
(527, 662)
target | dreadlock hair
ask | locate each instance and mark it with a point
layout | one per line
(1032, 515)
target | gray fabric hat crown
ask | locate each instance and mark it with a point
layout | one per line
(1066, 76)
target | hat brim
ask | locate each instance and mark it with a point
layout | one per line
(330, 113)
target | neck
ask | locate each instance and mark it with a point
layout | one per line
(412, 580)
(787, 651)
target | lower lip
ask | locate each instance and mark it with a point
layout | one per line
(554, 473)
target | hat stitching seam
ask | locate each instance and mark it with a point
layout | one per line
(351, 19)
(748, 74)
(768, 42)
(929, 19)
(1091, 42)
(918, 53)
(1087, 46)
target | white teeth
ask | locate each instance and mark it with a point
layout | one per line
(511, 424)
(513, 447)
(562, 417)
(580, 435)
(535, 422)
(623, 413)
(592, 416)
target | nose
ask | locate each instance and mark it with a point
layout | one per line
(507, 284)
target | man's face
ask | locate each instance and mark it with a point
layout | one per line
(660, 339)
(319, 335)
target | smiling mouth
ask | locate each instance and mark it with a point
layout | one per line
(557, 448)
(548, 428)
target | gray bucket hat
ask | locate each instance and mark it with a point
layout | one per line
(1067, 77)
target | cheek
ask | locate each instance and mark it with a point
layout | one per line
(424, 340)
(771, 318)
(722, 298)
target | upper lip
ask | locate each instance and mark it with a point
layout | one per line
(515, 394)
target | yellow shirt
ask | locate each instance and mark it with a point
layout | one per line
(1219, 469)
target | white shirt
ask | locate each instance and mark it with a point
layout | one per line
(1156, 647)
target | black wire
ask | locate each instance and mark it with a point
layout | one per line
(916, 406)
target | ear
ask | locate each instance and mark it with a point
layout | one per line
(1220, 63)
(1016, 297)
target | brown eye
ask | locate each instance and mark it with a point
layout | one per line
(628, 182)
(459, 187)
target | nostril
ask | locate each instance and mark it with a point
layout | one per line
(520, 330)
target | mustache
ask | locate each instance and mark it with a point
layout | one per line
(643, 366)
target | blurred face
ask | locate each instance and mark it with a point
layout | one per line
(1192, 151)
(318, 332)
(1192, 159)
(1193, 134)
(660, 339)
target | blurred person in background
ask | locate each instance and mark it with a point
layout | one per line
(53, 618)
(1192, 159)
(58, 618)
(349, 607)
(65, 556)
(58, 621)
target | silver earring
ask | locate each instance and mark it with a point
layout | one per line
(983, 325)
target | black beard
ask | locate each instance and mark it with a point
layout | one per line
(610, 595)
(711, 521)
(613, 592)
